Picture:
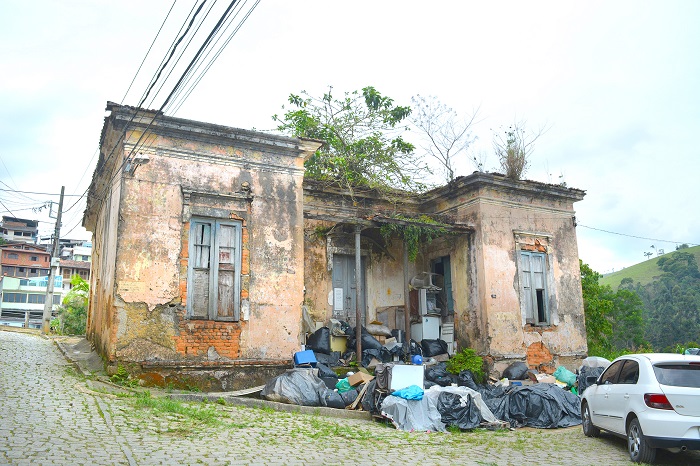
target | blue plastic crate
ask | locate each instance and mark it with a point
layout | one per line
(305, 357)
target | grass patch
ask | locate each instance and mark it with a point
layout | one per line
(206, 415)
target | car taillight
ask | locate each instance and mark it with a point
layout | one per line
(657, 400)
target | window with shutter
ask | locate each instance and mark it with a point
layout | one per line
(533, 287)
(213, 276)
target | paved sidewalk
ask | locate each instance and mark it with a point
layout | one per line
(49, 414)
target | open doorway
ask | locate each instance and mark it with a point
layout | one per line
(441, 266)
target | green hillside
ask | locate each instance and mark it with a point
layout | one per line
(644, 272)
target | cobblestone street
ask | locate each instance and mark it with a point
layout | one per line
(48, 416)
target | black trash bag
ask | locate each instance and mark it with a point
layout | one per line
(352, 341)
(349, 355)
(333, 399)
(433, 347)
(320, 341)
(466, 379)
(330, 382)
(345, 327)
(458, 411)
(325, 371)
(350, 396)
(414, 348)
(372, 402)
(544, 406)
(330, 360)
(368, 355)
(516, 371)
(296, 386)
(427, 384)
(397, 351)
(382, 355)
(586, 372)
(399, 334)
(496, 399)
(369, 342)
(438, 374)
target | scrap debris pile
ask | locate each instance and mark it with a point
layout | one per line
(422, 395)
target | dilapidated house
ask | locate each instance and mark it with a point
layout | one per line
(208, 243)
(197, 248)
(506, 265)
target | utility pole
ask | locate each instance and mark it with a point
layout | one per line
(48, 303)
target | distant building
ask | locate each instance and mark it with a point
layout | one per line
(23, 260)
(19, 229)
(70, 268)
(21, 295)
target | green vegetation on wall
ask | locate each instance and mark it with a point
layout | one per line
(424, 230)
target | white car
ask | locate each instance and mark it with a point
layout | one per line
(651, 399)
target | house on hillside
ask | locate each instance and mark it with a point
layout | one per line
(208, 242)
(19, 259)
(19, 229)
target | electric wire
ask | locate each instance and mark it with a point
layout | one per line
(216, 56)
(170, 47)
(39, 194)
(638, 237)
(228, 21)
(126, 127)
(148, 51)
(192, 63)
(201, 5)
(182, 53)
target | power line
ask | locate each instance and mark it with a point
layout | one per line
(192, 63)
(148, 51)
(637, 237)
(126, 127)
(148, 91)
(32, 192)
(216, 55)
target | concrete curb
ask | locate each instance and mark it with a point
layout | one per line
(80, 365)
(259, 403)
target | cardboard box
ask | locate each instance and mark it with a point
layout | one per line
(359, 378)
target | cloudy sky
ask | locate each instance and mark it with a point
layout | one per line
(616, 84)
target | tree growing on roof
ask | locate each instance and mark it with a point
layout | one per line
(445, 134)
(363, 145)
(513, 147)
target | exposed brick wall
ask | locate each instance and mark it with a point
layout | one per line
(540, 358)
(197, 336)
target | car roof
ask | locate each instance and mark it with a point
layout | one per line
(656, 358)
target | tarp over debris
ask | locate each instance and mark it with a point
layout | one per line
(544, 405)
(424, 414)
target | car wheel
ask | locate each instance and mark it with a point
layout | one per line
(589, 430)
(639, 449)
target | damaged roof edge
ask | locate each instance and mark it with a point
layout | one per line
(496, 180)
(208, 132)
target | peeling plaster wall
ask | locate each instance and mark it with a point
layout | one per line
(197, 169)
(499, 209)
(384, 275)
(102, 223)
